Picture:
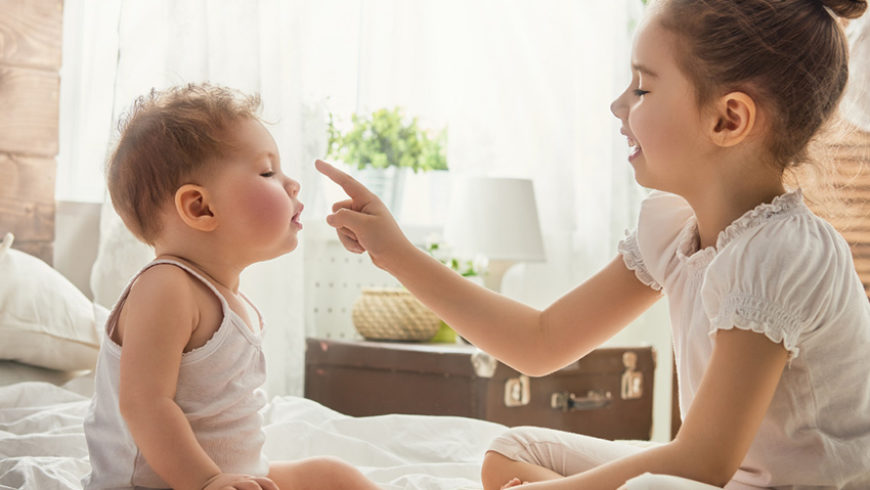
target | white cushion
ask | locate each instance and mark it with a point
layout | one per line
(44, 319)
(119, 256)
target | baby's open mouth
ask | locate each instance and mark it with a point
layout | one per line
(297, 218)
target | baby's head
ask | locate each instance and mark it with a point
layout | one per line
(168, 137)
(790, 56)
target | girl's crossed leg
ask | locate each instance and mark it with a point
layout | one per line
(532, 454)
(537, 454)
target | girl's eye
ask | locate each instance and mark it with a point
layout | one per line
(639, 93)
(267, 174)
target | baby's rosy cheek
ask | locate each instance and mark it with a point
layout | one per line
(267, 207)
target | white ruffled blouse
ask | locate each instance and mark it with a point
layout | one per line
(781, 271)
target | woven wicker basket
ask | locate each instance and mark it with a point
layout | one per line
(393, 314)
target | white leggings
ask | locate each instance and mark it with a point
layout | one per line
(567, 453)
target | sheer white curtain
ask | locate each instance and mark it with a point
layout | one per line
(523, 87)
(115, 51)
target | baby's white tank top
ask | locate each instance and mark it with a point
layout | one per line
(219, 390)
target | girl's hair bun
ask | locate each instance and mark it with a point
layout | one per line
(849, 9)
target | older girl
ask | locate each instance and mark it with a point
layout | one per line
(770, 322)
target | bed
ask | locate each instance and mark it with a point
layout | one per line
(42, 445)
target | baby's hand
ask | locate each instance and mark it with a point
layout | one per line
(231, 481)
(514, 482)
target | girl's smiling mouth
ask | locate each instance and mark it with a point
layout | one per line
(632, 143)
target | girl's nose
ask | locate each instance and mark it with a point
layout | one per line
(617, 107)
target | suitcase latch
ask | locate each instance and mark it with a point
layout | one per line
(632, 380)
(484, 364)
(517, 392)
(593, 400)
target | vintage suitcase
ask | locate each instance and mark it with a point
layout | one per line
(606, 394)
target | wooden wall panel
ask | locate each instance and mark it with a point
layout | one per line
(29, 32)
(27, 197)
(850, 210)
(29, 119)
(30, 57)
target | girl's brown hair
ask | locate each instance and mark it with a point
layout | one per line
(791, 56)
(166, 136)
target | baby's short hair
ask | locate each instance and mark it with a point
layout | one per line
(166, 136)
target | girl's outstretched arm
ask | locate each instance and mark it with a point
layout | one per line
(531, 341)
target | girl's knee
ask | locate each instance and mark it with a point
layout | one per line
(511, 442)
(495, 470)
(493, 462)
(524, 444)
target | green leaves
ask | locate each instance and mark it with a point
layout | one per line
(386, 138)
(465, 267)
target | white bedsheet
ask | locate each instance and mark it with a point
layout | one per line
(42, 445)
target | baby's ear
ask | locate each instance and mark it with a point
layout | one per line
(734, 119)
(192, 206)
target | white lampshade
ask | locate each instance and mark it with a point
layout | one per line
(496, 217)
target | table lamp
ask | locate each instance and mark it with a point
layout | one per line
(496, 217)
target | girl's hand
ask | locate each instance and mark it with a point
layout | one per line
(363, 222)
(231, 481)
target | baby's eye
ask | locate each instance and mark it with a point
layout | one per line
(639, 93)
(267, 174)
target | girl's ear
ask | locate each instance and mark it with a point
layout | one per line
(735, 117)
(192, 206)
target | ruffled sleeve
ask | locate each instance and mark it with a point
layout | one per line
(631, 256)
(650, 251)
(782, 279)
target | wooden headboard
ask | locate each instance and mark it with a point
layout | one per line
(30, 58)
(852, 179)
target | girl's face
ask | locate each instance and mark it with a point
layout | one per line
(659, 114)
(255, 203)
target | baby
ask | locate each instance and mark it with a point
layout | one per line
(178, 382)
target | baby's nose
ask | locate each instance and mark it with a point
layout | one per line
(292, 187)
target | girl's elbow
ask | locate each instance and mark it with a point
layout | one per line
(535, 365)
(536, 371)
(706, 466)
(717, 478)
(722, 473)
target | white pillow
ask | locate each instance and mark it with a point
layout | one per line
(119, 257)
(44, 319)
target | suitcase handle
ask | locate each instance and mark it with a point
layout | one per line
(569, 402)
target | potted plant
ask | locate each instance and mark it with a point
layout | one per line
(382, 146)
